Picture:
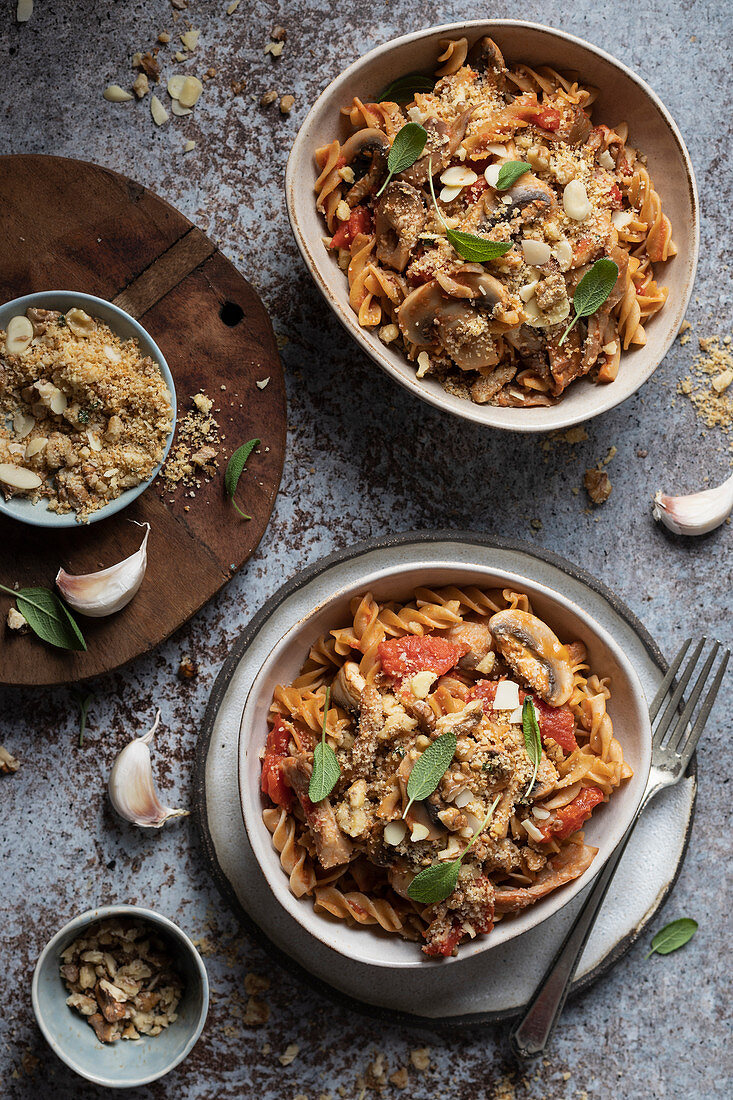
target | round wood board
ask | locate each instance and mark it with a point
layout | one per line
(69, 225)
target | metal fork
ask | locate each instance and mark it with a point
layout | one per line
(671, 753)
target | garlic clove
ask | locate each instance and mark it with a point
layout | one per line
(131, 788)
(696, 514)
(109, 590)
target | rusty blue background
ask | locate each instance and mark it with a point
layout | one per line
(364, 458)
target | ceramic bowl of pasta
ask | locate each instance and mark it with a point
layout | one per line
(437, 759)
(503, 216)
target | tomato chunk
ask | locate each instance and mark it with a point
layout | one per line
(548, 118)
(447, 945)
(474, 192)
(360, 221)
(569, 819)
(273, 782)
(402, 657)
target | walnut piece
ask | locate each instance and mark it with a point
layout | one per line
(597, 485)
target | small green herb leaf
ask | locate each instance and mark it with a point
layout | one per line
(477, 249)
(673, 936)
(510, 172)
(48, 617)
(235, 469)
(403, 89)
(532, 740)
(437, 882)
(407, 146)
(592, 290)
(326, 770)
(83, 702)
(429, 768)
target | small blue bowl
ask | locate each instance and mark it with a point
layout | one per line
(126, 1063)
(124, 326)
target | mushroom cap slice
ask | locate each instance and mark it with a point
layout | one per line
(400, 219)
(535, 653)
(530, 195)
(365, 143)
(435, 155)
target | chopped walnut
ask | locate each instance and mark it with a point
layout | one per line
(597, 484)
(188, 669)
(8, 763)
(400, 1078)
(268, 98)
(103, 985)
(147, 63)
(256, 983)
(16, 621)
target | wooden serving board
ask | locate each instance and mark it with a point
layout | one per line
(69, 225)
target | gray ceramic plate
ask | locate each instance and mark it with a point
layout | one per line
(498, 982)
(124, 326)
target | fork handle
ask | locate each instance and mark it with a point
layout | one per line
(530, 1035)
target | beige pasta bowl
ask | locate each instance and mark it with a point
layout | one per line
(367, 943)
(622, 96)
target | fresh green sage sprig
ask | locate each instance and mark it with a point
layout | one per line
(673, 936)
(48, 617)
(407, 146)
(83, 702)
(510, 172)
(326, 770)
(532, 739)
(468, 245)
(437, 882)
(403, 89)
(430, 767)
(592, 291)
(235, 469)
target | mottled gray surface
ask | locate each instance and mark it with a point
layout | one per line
(364, 458)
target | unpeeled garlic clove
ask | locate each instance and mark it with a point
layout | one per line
(109, 590)
(131, 789)
(697, 513)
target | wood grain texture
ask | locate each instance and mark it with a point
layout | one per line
(72, 225)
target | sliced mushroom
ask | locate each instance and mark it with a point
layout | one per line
(475, 634)
(369, 143)
(535, 653)
(486, 387)
(399, 221)
(471, 281)
(580, 128)
(417, 314)
(530, 196)
(426, 314)
(348, 686)
(41, 318)
(566, 360)
(435, 155)
(486, 57)
(457, 131)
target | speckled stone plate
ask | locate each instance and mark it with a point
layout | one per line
(496, 983)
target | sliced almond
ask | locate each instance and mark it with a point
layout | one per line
(18, 477)
(178, 110)
(536, 253)
(191, 90)
(458, 176)
(395, 832)
(447, 194)
(35, 446)
(575, 201)
(113, 93)
(94, 441)
(18, 335)
(24, 10)
(174, 85)
(158, 111)
(22, 425)
(80, 323)
(189, 146)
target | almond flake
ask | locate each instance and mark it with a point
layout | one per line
(233, 7)
(24, 10)
(158, 111)
(190, 39)
(189, 146)
(113, 93)
(262, 383)
(190, 91)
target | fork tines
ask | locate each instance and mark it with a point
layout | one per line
(682, 740)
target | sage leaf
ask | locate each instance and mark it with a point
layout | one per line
(326, 770)
(437, 882)
(673, 936)
(510, 172)
(430, 767)
(407, 146)
(532, 739)
(235, 469)
(592, 291)
(403, 89)
(48, 617)
(83, 702)
(468, 245)
(476, 249)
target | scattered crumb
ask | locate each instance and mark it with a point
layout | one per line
(262, 383)
(193, 455)
(420, 1058)
(291, 1053)
(268, 98)
(256, 983)
(256, 1013)
(708, 385)
(597, 485)
(612, 452)
(287, 102)
(17, 622)
(188, 669)
(189, 146)
(233, 7)
(575, 435)
(641, 453)
(8, 763)
(278, 34)
(274, 48)
(400, 1078)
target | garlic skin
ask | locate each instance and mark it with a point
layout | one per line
(696, 514)
(98, 594)
(131, 789)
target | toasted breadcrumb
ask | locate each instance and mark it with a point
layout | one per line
(708, 385)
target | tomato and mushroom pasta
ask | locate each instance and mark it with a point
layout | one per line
(399, 677)
(493, 331)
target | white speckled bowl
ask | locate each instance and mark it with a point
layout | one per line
(125, 326)
(623, 96)
(127, 1063)
(628, 709)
